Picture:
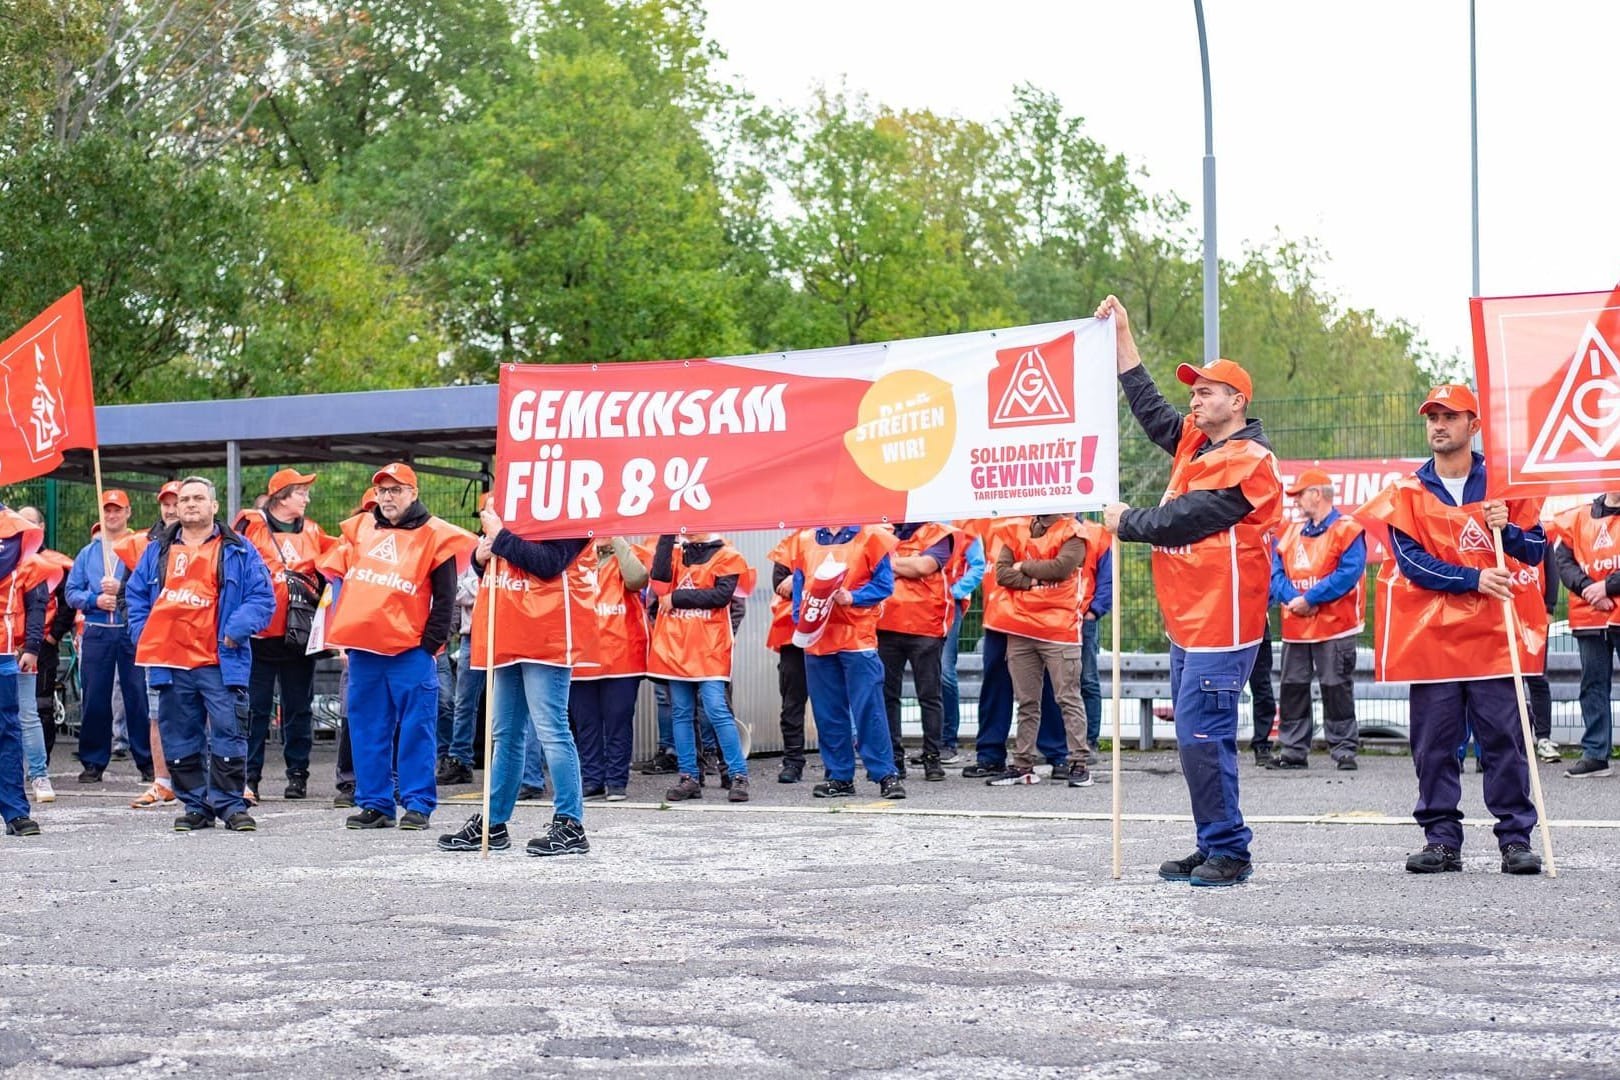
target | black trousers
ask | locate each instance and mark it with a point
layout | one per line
(795, 693)
(1260, 689)
(50, 665)
(923, 654)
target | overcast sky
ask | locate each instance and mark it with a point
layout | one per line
(1344, 122)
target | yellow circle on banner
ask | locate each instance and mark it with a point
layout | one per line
(905, 429)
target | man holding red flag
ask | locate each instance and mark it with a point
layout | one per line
(1440, 627)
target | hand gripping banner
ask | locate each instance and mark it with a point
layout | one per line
(1017, 421)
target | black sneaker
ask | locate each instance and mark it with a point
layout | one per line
(191, 821)
(890, 787)
(790, 774)
(147, 775)
(1012, 775)
(834, 789)
(528, 793)
(565, 837)
(950, 756)
(917, 759)
(1434, 859)
(1588, 767)
(1519, 859)
(739, 789)
(241, 822)
(1347, 764)
(413, 821)
(344, 799)
(1287, 764)
(452, 772)
(662, 763)
(1221, 870)
(369, 819)
(979, 770)
(932, 769)
(1181, 869)
(902, 772)
(470, 837)
(297, 788)
(1060, 770)
(1262, 756)
(1080, 776)
(22, 826)
(594, 794)
(91, 775)
(685, 788)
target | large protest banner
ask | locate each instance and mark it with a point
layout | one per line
(46, 389)
(970, 425)
(1549, 385)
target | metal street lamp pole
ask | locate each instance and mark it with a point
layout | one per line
(1473, 131)
(1212, 271)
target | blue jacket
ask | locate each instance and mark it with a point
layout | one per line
(246, 603)
(84, 585)
(1526, 545)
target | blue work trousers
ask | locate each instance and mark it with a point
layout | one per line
(846, 692)
(393, 699)
(204, 727)
(603, 716)
(1206, 687)
(108, 650)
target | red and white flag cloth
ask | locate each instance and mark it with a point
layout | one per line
(47, 392)
(1549, 386)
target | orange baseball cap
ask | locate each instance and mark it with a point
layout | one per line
(1311, 478)
(1223, 371)
(287, 478)
(399, 472)
(1454, 397)
(114, 497)
(368, 501)
(169, 490)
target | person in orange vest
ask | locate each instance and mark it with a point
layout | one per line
(23, 591)
(1440, 626)
(393, 614)
(602, 698)
(46, 617)
(544, 594)
(1038, 564)
(195, 598)
(1318, 577)
(1211, 572)
(1587, 554)
(790, 680)
(841, 577)
(343, 771)
(691, 647)
(159, 793)
(289, 543)
(912, 629)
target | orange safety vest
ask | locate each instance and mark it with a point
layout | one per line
(1421, 635)
(183, 628)
(1595, 543)
(1214, 592)
(1099, 541)
(849, 628)
(780, 632)
(621, 625)
(129, 548)
(387, 592)
(538, 622)
(692, 644)
(922, 606)
(981, 529)
(31, 570)
(1051, 610)
(1307, 560)
(283, 551)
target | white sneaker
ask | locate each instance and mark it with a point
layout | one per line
(1547, 751)
(43, 792)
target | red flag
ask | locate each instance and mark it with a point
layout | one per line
(46, 390)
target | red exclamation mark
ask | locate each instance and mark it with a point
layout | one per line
(1088, 457)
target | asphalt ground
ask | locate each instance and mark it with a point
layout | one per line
(968, 931)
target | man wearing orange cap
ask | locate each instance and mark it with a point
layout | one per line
(1317, 576)
(1211, 536)
(289, 544)
(393, 614)
(1441, 627)
(95, 586)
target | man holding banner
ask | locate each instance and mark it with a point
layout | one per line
(1211, 573)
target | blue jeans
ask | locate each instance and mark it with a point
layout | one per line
(458, 742)
(996, 710)
(108, 649)
(13, 795)
(949, 691)
(846, 691)
(1206, 687)
(603, 714)
(393, 702)
(666, 720)
(1597, 682)
(33, 732)
(1090, 684)
(531, 707)
(204, 728)
(683, 698)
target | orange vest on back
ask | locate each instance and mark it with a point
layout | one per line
(538, 622)
(1099, 541)
(1307, 560)
(1051, 610)
(921, 606)
(849, 628)
(387, 590)
(1214, 592)
(283, 551)
(621, 626)
(29, 572)
(780, 632)
(182, 630)
(694, 644)
(1426, 636)
(1595, 544)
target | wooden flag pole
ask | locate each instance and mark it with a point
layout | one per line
(489, 695)
(101, 516)
(1119, 792)
(1524, 719)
